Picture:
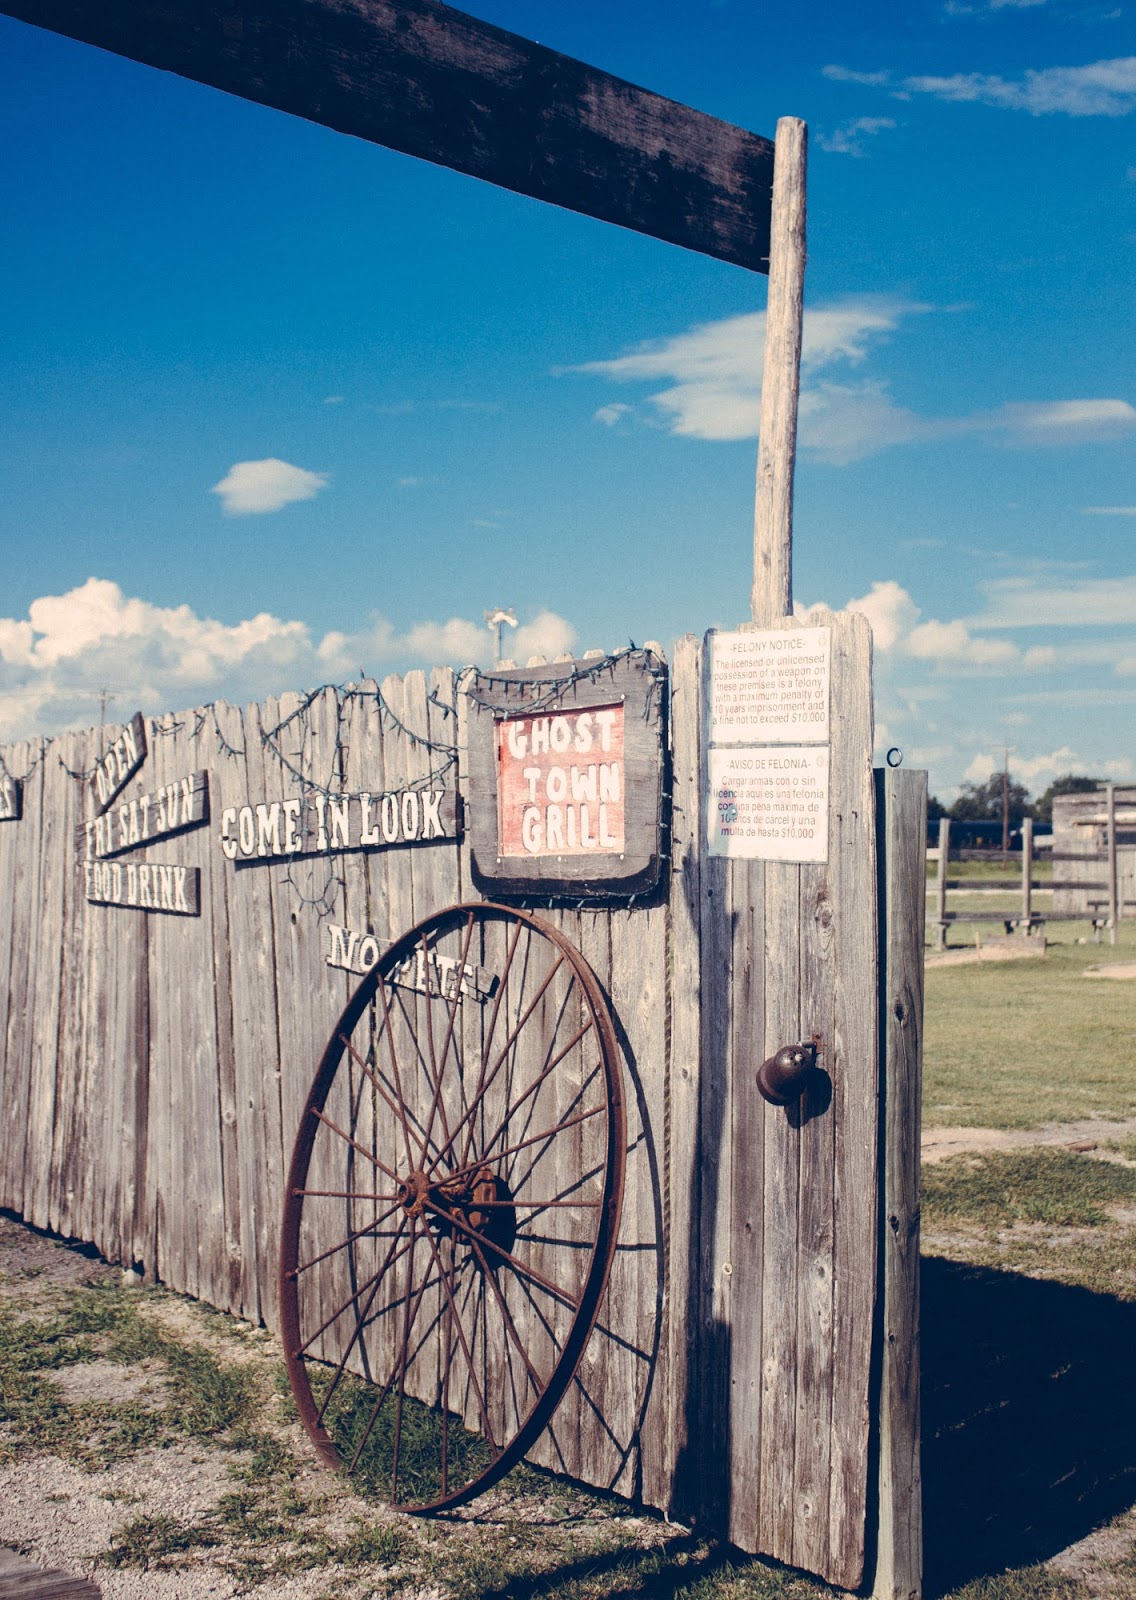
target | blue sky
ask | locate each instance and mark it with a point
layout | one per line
(278, 406)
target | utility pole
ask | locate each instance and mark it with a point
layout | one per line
(1007, 751)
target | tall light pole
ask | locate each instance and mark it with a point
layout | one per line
(496, 619)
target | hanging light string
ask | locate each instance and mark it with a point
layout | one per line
(37, 761)
(541, 693)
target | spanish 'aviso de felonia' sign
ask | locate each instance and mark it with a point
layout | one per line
(132, 823)
(115, 768)
(425, 972)
(319, 824)
(11, 798)
(144, 886)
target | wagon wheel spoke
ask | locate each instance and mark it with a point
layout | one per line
(434, 1316)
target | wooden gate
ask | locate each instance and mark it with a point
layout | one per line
(155, 1061)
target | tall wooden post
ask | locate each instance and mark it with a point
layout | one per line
(1027, 875)
(941, 884)
(1113, 897)
(781, 378)
(901, 829)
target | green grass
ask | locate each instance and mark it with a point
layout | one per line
(999, 1189)
(1020, 1043)
(203, 1399)
(349, 1421)
(1011, 872)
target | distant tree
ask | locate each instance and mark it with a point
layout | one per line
(1070, 784)
(982, 802)
(936, 810)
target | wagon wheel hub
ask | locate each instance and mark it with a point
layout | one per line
(476, 1197)
(413, 1192)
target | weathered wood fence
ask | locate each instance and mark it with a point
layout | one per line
(154, 1068)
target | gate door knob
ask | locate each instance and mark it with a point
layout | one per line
(785, 1076)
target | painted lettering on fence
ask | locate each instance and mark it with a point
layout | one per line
(442, 977)
(560, 783)
(170, 809)
(319, 824)
(11, 798)
(144, 886)
(119, 764)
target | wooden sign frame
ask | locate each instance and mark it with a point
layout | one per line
(171, 809)
(11, 798)
(118, 763)
(570, 707)
(144, 886)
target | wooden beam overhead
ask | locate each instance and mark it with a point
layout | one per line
(432, 82)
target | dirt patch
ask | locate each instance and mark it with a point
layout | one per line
(1091, 1135)
(1096, 1559)
(1015, 948)
(1112, 969)
(112, 1383)
(208, 1518)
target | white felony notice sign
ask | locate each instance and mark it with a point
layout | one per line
(770, 685)
(769, 803)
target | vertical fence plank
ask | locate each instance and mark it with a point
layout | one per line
(13, 849)
(854, 1066)
(901, 799)
(56, 847)
(24, 758)
(681, 1128)
(69, 1184)
(212, 755)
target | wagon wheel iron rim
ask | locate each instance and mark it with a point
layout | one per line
(452, 1206)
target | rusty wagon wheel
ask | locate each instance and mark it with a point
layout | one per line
(452, 1206)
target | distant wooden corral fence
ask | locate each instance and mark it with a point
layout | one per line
(755, 1363)
(1092, 851)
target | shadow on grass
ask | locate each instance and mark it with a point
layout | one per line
(661, 1573)
(1029, 1418)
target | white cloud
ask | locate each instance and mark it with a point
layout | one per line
(250, 488)
(873, 80)
(1108, 511)
(953, 645)
(890, 610)
(1059, 421)
(546, 635)
(714, 373)
(849, 140)
(55, 662)
(1033, 603)
(1099, 89)
(1037, 772)
(712, 388)
(958, 8)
